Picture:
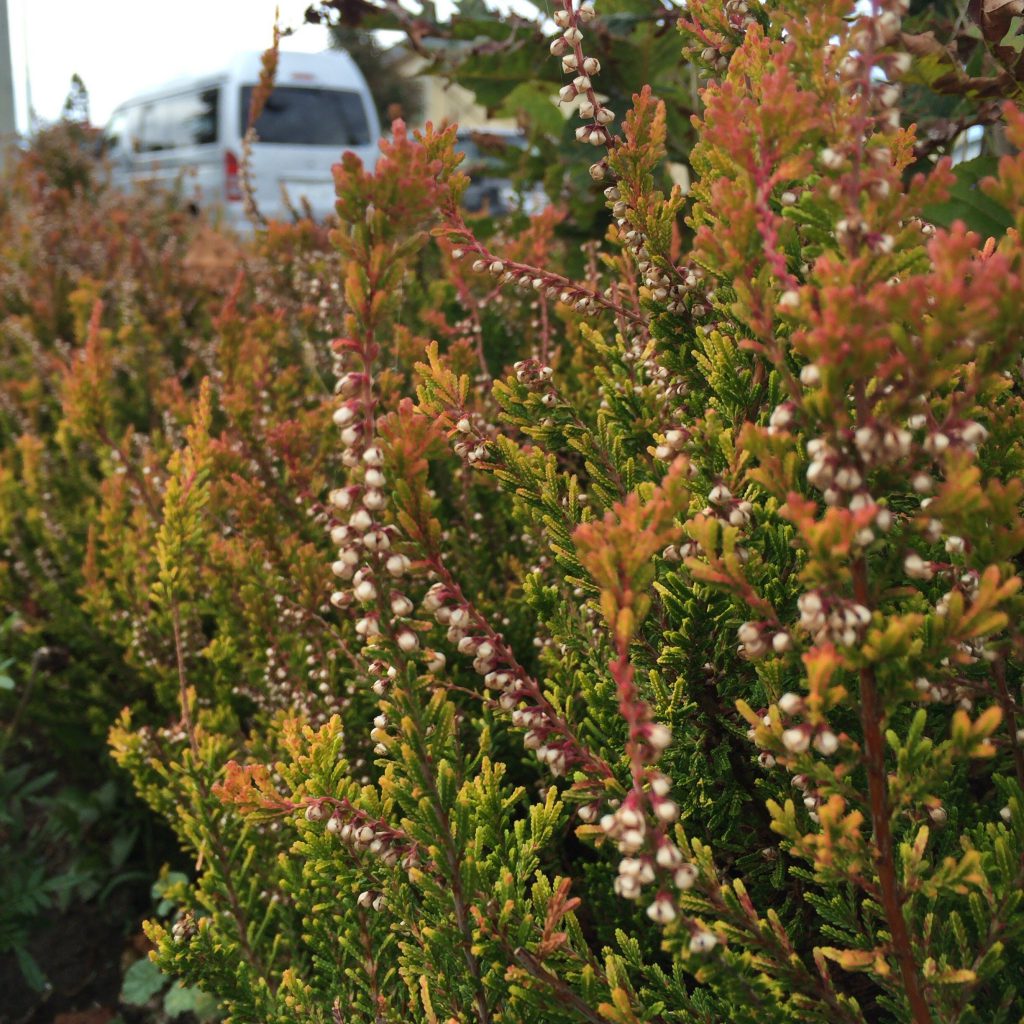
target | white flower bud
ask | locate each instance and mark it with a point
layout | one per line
(376, 540)
(830, 159)
(627, 887)
(826, 743)
(407, 640)
(668, 856)
(810, 376)
(796, 740)
(661, 910)
(360, 520)
(659, 736)
(749, 633)
(660, 785)
(667, 811)
(629, 818)
(901, 63)
(916, 567)
(397, 565)
(685, 876)
(790, 703)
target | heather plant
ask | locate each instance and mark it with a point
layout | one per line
(78, 850)
(106, 315)
(628, 643)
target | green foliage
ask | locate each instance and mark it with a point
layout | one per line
(642, 641)
(62, 846)
(143, 981)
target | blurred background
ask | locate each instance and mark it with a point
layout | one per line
(118, 47)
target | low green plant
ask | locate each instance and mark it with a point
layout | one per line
(144, 984)
(62, 845)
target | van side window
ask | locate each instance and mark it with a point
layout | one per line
(174, 122)
(302, 116)
(201, 122)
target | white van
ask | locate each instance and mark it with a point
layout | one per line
(193, 128)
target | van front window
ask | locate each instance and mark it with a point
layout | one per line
(300, 116)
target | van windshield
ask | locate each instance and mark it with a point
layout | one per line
(301, 116)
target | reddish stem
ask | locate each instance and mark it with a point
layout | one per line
(874, 762)
(550, 282)
(1009, 713)
(594, 766)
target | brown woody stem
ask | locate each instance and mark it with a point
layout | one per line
(878, 792)
(1010, 716)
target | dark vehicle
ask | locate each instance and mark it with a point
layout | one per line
(490, 156)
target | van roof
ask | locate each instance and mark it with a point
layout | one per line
(328, 68)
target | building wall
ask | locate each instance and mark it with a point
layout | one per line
(444, 103)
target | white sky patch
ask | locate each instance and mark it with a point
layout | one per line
(119, 47)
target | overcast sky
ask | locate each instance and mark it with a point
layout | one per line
(121, 46)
